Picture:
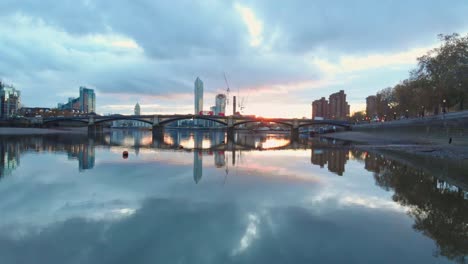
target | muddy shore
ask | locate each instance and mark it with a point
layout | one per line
(422, 145)
(42, 131)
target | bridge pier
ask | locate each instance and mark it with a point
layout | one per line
(158, 134)
(294, 134)
(95, 129)
(230, 134)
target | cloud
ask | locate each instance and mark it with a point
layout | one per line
(254, 25)
(358, 27)
(153, 50)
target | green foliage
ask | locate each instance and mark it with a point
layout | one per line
(442, 74)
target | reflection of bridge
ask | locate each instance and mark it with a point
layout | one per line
(158, 122)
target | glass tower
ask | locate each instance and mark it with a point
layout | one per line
(198, 96)
(87, 100)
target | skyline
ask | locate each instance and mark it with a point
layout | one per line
(278, 61)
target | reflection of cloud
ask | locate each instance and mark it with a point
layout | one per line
(373, 202)
(249, 235)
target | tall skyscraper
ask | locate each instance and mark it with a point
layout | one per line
(220, 104)
(137, 109)
(198, 96)
(9, 100)
(87, 100)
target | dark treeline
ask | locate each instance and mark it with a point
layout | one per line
(439, 83)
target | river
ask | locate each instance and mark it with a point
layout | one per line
(197, 197)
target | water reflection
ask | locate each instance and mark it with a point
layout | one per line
(436, 203)
(439, 208)
(80, 148)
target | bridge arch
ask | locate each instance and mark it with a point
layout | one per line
(110, 119)
(320, 122)
(262, 121)
(65, 119)
(167, 121)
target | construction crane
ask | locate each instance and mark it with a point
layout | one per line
(228, 90)
(241, 102)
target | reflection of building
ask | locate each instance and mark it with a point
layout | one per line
(197, 166)
(84, 153)
(318, 158)
(320, 108)
(77, 148)
(197, 157)
(372, 162)
(336, 159)
(371, 106)
(9, 100)
(9, 158)
(219, 159)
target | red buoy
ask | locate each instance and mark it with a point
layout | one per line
(125, 154)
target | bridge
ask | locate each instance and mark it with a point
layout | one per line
(158, 122)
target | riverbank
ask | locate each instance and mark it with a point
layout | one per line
(42, 131)
(417, 144)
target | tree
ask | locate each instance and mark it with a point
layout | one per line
(445, 69)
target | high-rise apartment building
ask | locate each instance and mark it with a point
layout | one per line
(371, 106)
(198, 96)
(86, 103)
(335, 108)
(320, 108)
(9, 100)
(220, 104)
(338, 107)
(87, 100)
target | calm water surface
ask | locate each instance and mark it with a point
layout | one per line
(195, 197)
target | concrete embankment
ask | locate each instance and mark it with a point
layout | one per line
(428, 130)
(443, 136)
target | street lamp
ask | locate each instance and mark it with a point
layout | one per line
(406, 113)
(422, 111)
(394, 115)
(443, 106)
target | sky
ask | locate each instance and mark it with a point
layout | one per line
(278, 56)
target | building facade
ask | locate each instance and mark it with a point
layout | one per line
(9, 100)
(371, 106)
(320, 108)
(198, 96)
(338, 107)
(220, 107)
(86, 103)
(335, 108)
(137, 109)
(87, 100)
